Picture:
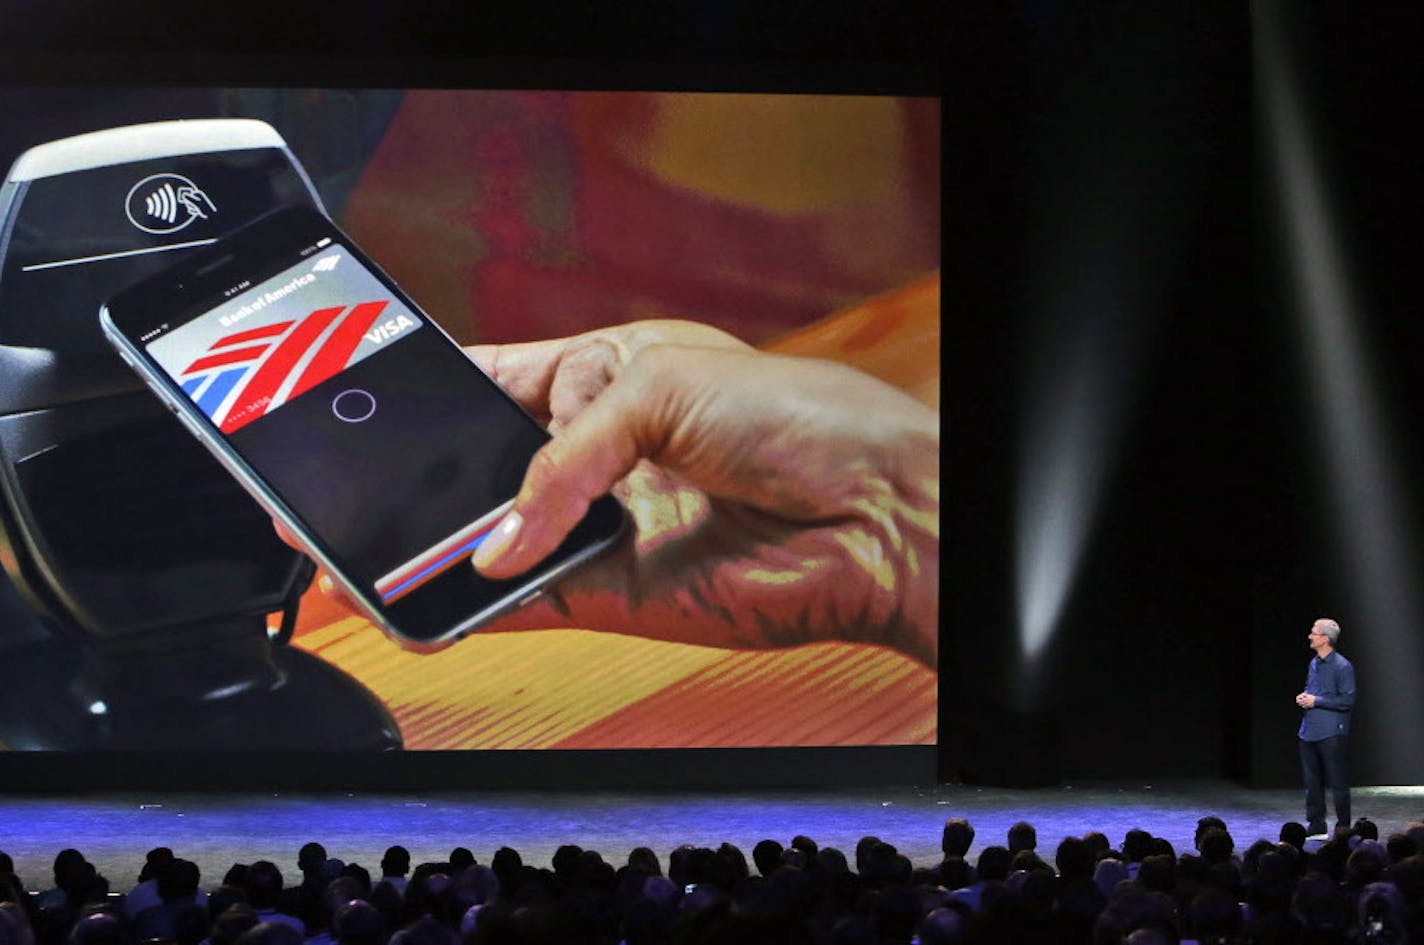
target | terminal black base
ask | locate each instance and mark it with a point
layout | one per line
(222, 686)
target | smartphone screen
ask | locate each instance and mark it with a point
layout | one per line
(353, 414)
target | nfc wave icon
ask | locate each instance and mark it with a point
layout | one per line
(163, 203)
(326, 263)
(166, 203)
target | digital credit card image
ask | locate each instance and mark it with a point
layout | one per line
(273, 343)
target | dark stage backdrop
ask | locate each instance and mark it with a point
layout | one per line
(1345, 540)
(1109, 278)
(1141, 472)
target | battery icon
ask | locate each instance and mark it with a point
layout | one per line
(323, 241)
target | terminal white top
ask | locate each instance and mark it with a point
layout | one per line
(143, 143)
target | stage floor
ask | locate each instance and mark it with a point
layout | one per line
(114, 831)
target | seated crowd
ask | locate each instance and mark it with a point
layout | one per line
(1352, 888)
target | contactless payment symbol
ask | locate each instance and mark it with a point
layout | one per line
(165, 203)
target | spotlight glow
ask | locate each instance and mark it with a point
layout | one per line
(1071, 430)
(1096, 315)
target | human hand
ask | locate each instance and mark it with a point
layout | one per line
(775, 501)
(1305, 700)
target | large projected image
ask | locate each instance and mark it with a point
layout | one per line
(534, 228)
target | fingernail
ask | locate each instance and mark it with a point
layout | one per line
(499, 540)
(327, 585)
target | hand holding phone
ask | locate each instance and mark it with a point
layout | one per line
(350, 416)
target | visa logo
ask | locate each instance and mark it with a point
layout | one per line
(379, 334)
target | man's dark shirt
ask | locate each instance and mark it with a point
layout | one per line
(1332, 682)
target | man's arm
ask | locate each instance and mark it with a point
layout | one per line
(1342, 698)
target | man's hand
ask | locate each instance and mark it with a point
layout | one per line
(1305, 700)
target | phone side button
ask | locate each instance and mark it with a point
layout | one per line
(162, 394)
(531, 597)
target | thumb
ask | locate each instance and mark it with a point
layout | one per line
(595, 450)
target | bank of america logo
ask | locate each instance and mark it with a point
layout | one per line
(247, 374)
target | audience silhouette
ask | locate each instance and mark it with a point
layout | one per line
(1352, 888)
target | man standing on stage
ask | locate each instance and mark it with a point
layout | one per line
(1327, 700)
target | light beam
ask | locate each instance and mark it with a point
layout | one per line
(1369, 504)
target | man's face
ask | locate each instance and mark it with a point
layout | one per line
(1318, 640)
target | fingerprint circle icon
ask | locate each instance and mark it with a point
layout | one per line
(166, 203)
(353, 406)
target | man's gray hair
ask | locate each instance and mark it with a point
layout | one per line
(1330, 628)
